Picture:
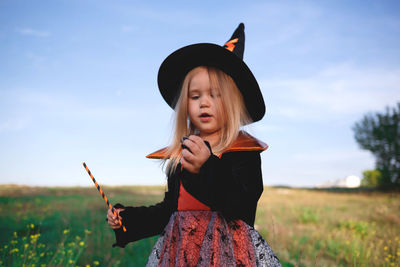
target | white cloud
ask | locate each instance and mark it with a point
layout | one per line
(14, 124)
(331, 156)
(267, 128)
(32, 32)
(338, 90)
(70, 106)
(316, 166)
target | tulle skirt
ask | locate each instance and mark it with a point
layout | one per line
(205, 238)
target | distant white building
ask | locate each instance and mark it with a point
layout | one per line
(351, 181)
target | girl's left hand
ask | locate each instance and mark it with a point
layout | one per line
(192, 161)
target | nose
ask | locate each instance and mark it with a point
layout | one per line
(205, 101)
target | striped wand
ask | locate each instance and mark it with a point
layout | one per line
(104, 196)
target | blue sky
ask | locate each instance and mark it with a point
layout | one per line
(78, 82)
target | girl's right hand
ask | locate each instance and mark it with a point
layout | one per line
(112, 221)
(195, 153)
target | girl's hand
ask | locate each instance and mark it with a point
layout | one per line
(199, 153)
(112, 221)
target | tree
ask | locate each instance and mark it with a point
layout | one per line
(371, 178)
(380, 134)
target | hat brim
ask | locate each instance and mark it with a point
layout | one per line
(175, 67)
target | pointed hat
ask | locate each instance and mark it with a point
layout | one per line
(228, 58)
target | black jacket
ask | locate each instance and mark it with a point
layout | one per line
(231, 185)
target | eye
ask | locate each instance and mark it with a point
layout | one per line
(194, 97)
(215, 95)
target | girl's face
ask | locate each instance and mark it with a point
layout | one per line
(203, 105)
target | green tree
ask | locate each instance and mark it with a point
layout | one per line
(380, 134)
(371, 178)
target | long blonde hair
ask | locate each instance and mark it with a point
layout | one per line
(233, 113)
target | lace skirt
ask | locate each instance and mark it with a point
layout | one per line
(205, 238)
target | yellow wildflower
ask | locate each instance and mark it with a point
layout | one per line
(71, 261)
(78, 237)
(385, 248)
(42, 254)
(66, 231)
(96, 263)
(32, 226)
(88, 232)
(87, 265)
(81, 243)
(26, 245)
(15, 234)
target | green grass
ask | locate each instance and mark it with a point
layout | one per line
(67, 227)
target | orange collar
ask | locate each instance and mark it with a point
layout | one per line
(244, 142)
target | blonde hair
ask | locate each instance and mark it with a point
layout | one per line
(232, 111)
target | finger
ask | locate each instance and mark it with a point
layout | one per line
(187, 166)
(113, 223)
(196, 140)
(200, 142)
(190, 146)
(110, 216)
(118, 211)
(115, 226)
(119, 216)
(187, 156)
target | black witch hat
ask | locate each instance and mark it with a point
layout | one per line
(228, 58)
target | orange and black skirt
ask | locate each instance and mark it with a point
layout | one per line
(205, 238)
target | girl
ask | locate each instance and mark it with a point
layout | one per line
(214, 174)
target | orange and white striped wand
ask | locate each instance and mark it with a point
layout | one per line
(104, 196)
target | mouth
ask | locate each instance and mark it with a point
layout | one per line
(205, 115)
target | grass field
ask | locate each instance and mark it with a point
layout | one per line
(66, 226)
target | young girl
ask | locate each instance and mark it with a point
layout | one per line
(214, 169)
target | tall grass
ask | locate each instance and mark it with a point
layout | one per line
(67, 227)
(318, 228)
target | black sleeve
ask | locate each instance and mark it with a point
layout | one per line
(142, 222)
(231, 185)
